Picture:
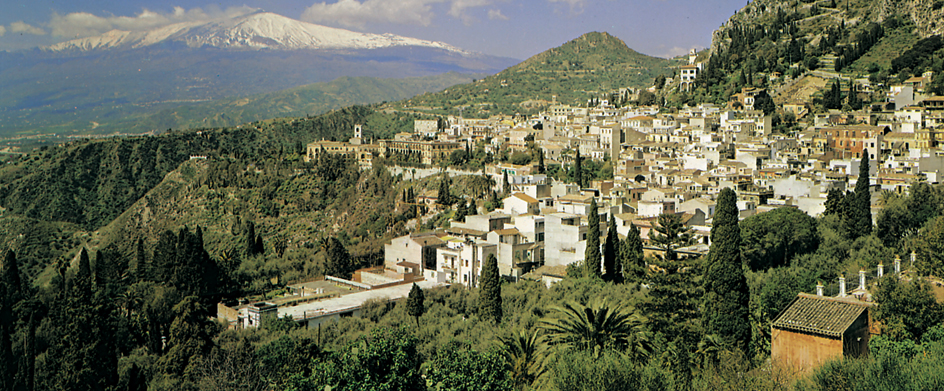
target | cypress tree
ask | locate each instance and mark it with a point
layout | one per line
(9, 296)
(506, 186)
(611, 262)
(259, 246)
(11, 274)
(337, 260)
(414, 303)
(249, 239)
(833, 202)
(631, 255)
(578, 172)
(591, 257)
(862, 203)
(443, 195)
(490, 301)
(726, 292)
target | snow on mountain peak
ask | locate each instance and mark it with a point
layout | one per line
(259, 30)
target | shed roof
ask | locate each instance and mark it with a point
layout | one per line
(821, 315)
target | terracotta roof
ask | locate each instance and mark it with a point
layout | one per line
(819, 315)
(509, 231)
(525, 198)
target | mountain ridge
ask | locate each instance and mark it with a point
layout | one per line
(255, 31)
(591, 65)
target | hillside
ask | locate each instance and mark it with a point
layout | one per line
(590, 66)
(860, 38)
(307, 100)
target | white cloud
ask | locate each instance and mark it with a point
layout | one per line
(83, 24)
(3, 30)
(675, 51)
(496, 14)
(20, 27)
(354, 13)
(359, 13)
(576, 6)
(458, 7)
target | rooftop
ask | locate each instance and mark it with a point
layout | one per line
(821, 315)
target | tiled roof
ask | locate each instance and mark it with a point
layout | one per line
(819, 315)
(525, 198)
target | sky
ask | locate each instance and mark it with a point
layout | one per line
(510, 28)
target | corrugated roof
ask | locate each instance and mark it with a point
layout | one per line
(819, 315)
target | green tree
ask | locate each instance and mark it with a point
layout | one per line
(670, 233)
(598, 327)
(854, 102)
(443, 197)
(490, 300)
(578, 171)
(659, 82)
(591, 258)
(181, 261)
(905, 215)
(631, 255)
(190, 339)
(611, 262)
(727, 296)
(524, 356)
(647, 98)
(906, 308)
(387, 360)
(860, 214)
(773, 238)
(10, 295)
(765, 103)
(414, 303)
(672, 306)
(929, 248)
(834, 202)
(338, 262)
(458, 367)
(287, 357)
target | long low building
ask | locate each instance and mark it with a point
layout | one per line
(317, 312)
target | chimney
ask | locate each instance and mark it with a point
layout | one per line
(897, 264)
(881, 270)
(862, 279)
(914, 257)
(842, 286)
(819, 288)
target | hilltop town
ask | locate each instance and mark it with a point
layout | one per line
(673, 162)
(764, 214)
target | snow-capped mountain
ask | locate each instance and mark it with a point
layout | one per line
(259, 30)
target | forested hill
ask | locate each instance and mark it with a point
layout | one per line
(589, 66)
(884, 41)
(91, 182)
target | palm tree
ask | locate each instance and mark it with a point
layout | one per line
(709, 350)
(597, 327)
(525, 356)
(886, 197)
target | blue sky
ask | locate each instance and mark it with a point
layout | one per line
(511, 28)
